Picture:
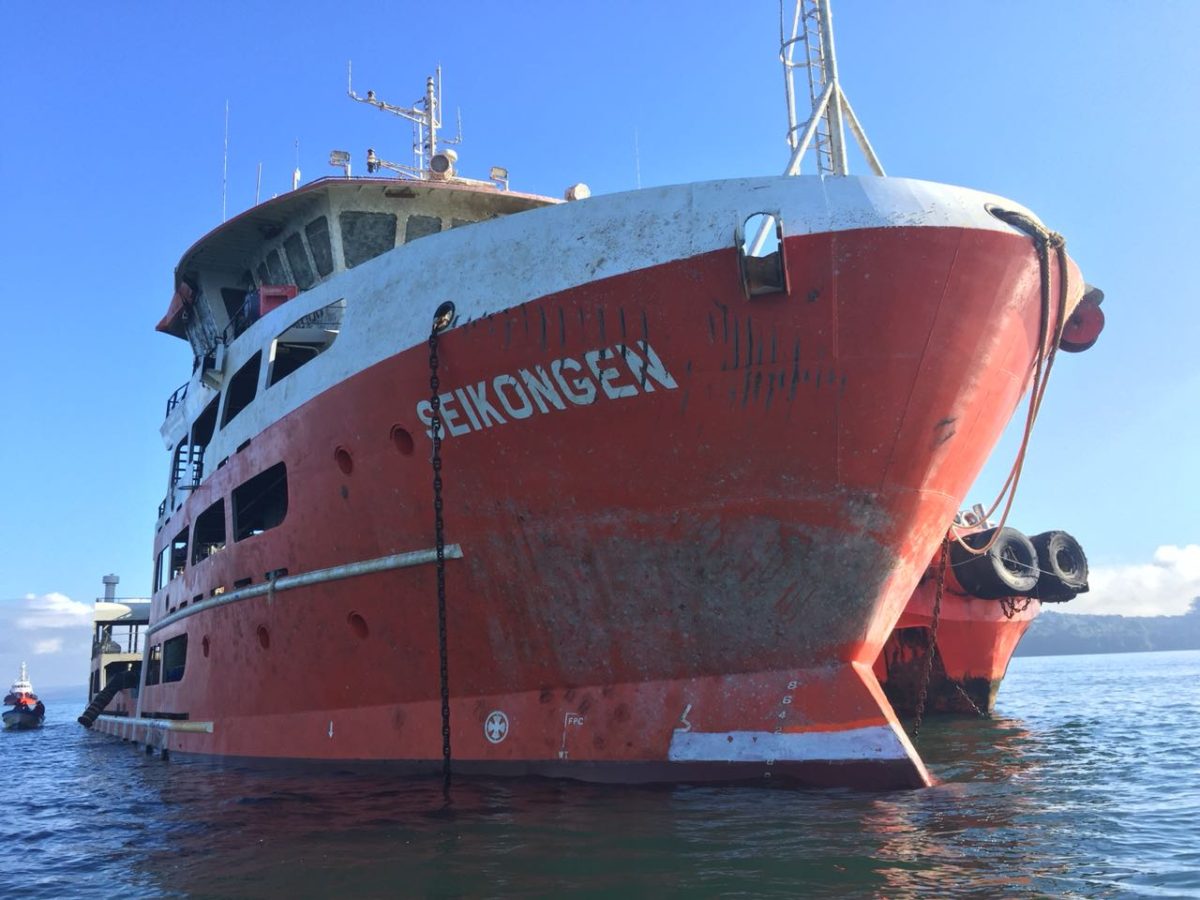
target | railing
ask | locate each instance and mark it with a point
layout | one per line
(178, 397)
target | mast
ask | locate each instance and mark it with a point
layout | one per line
(811, 34)
(426, 120)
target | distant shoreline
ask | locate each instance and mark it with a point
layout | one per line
(1062, 634)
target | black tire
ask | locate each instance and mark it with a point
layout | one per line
(1008, 569)
(1063, 564)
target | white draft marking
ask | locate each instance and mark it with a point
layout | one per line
(331, 727)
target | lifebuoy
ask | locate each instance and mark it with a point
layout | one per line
(1008, 569)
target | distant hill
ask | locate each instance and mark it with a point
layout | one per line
(1060, 634)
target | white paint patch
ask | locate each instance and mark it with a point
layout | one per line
(877, 742)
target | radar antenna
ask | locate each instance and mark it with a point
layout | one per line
(425, 115)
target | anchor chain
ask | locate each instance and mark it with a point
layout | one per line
(937, 614)
(441, 320)
(979, 712)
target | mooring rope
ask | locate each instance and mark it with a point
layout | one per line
(1044, 360)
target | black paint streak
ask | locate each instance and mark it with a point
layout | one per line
(622, 312)
(712, 329)
(542, 313)
(562, 327)
(746, 389)
(771, 388)
(757, 382)
(582, 323)
(600, 319)
(795, 370)
(749, 342)
(737, 345)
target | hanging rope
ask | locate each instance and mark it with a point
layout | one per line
(1048, 342)
(937, 614)
(441, 321)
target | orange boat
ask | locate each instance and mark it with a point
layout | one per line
(951, 647)
(622, 488)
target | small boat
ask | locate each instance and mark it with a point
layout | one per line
(23, 709)
(949, 651)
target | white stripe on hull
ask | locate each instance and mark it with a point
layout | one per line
(877, 742)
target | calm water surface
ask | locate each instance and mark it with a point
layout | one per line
(1086, 784)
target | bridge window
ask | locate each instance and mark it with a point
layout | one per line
(365, 235)
(275, 268)
(261, 503)
(421, 226)
(317, 232)
(242, 388)
(297, 258)
(208, 535)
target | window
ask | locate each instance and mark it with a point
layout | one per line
(171, 560)
(242, 388)
(261, 503)
(304, 340)
(154, 670)
(421, 226)
(208, 535)
(275, 268)
(174, 658)
(317, 232)
(202, 433)
(365, 235)
(181, 468)
(298, 260)
(261, 272)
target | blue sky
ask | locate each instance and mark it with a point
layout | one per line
(112, 157)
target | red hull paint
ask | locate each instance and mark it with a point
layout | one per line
(723, 555)
(975, 642)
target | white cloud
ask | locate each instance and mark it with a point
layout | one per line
(50, 645)
(53, 611)
(1164, 587)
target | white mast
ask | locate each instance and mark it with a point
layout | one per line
(824, 132)
(426, 119)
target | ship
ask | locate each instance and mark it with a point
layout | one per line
(950, 649)
(623, 488)
(23, 710)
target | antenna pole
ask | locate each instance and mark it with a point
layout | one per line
(225, 163)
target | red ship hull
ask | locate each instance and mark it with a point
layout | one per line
(976, 639)
(676, 559)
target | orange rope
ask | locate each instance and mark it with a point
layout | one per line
(1043, 362)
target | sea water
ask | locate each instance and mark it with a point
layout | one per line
(1086, 783)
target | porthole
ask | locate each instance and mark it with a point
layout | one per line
(264, 637)
(402, 440)
(204, 646)
(358, 625)
(344, 460)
